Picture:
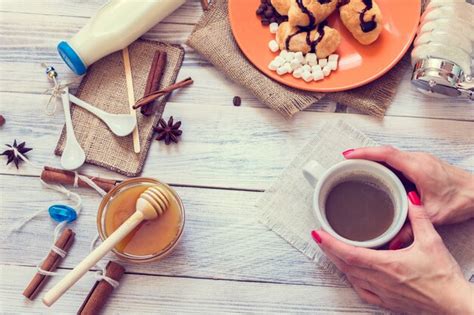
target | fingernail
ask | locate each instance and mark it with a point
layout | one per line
(316, 237)
(395, 245)
(347, 152)
(414, 198)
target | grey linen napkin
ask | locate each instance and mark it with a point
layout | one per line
(286, 207)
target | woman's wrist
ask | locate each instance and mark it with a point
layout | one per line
(462, 296)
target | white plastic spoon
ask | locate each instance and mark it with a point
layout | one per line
(73, 155)
(120, 124)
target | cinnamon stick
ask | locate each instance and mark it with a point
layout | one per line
(58, 176)
(205, 4)
(101, 290)
(153, 96)
(64, 242)
(154, 79)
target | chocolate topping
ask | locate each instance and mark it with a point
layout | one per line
(342, 3)
(311, 43)
(370, 25)
(307, 12)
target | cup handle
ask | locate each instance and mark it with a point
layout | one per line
(313, 171)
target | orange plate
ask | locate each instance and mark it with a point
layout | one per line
(358, 64)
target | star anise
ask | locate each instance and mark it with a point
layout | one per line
(12, 154)
(168, 131)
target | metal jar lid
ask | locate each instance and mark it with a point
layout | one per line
(442, 77)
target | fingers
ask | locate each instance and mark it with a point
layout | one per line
(351, 255)
(402, 161)
(403, 238)
(368, 296)
(420, 222)
(356, 272)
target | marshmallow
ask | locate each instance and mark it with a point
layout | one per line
(323, 62)
(333, 57)
(299, 56)
(307, 76)
(295, 64)
(318, 75)
(273, 28)
(273, 65)
(284, 69)
(311, 58)
(326, 70)
(279, 61)
(290, 56)
(288, 67)
(333, 65)
(273, 45)
(283, 53)
(316, 68)
(298, 73)
(306, 68)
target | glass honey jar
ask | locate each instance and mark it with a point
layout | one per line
(150, 240)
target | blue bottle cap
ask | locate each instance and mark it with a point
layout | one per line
(71, 58)
(62, 213)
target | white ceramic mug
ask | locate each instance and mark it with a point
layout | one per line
(323, 180)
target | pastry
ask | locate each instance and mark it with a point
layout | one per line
(362, 18)
(281, 6)
(310, 12)
(320, 39)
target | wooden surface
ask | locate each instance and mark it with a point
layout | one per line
(227, 261)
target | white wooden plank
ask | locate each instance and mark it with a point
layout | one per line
(29, 39)
(222, 145)
(222, 238)
(141, 294)
(189, 13)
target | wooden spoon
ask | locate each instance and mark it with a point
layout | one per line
(152, 203)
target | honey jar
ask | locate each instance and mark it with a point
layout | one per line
(151, 239)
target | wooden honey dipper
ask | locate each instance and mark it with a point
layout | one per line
(151, 204)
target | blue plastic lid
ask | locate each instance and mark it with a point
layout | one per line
(71, 58)
(62, 213)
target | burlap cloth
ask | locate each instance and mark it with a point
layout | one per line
(212, 38)
(105, 87)
(286, 207)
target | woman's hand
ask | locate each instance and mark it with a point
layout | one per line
(421, 278)
(447, 192)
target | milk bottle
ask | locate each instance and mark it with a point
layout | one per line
(116, 25)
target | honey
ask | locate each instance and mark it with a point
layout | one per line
(151, 238)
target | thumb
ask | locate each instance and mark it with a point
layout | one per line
(419, 220)
(403, 238)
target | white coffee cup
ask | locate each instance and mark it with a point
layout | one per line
(323, 180)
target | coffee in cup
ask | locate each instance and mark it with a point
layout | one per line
(360, 202)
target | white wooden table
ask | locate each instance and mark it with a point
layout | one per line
(226, 261)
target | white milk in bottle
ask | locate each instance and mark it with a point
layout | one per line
(116, 25)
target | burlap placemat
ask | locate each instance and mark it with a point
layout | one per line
(212, 38)
(286, 207)
(105, 87)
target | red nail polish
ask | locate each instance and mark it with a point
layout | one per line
(316, 237)
(347, 152)
(395, 245)
(414, 198)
